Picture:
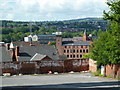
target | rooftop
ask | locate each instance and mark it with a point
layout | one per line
(5, 54)
(46, 35)
(26, 53)
(72, 43)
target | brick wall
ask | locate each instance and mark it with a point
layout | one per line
(45, 66)
(92, 65)
(112, 70)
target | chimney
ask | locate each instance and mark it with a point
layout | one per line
(8, 46)
(13, 55)
(17, 51)
(59, 44)
(85, 37)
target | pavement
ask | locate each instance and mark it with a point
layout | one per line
(60, 81)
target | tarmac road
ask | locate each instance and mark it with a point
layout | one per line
(67, 80)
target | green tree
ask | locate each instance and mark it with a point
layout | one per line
(106, 50)
(86, 56)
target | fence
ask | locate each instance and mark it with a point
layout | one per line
(30, 67)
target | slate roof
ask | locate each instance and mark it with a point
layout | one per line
(26, 53)
(5, 55)
(72, 39)
(65, 43)
(67, 39)
(37, 56)
(23, 43)
(46, 35)
(78, 38)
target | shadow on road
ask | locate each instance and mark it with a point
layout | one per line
(69, 86)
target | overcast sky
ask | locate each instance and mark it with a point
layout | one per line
(50, 10)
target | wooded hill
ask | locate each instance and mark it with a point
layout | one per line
(16, 30)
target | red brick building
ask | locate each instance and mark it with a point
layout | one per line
(73, 49)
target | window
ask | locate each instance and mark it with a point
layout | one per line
(70, 51)
(67, 56)
(81, 46)
(77, 56)
(77, 51)
(64, 51)
(85, 46)
(73, 51)
(65, 46)
(80, 51)
(87, 51)
(83, 51)
(73, 56)
(67, 51)
(80, 56)
(70, 56)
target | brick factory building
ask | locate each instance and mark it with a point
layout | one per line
(73, 49)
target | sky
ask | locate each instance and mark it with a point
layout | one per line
(50, 10)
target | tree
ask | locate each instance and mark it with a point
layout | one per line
(86, 56)
(52, 43)
(106, 50)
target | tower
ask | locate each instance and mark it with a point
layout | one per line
(59, 43)
(85, 37)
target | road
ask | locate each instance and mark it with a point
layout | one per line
(75, 80)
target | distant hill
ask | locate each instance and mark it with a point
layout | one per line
(16, 30)
(72, 20)
(86, 19)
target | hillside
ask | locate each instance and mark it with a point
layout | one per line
(16, 30)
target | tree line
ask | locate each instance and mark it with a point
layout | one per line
(17, 30)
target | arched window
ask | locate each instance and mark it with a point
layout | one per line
(80, 56)
(83, 51)
(87, 51)
(80, 51)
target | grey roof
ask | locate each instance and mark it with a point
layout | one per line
(77, 37)
(76, 43)
(46, 35)
(26, 53)
(23, 43)
(5, 55)
(67, 39)
(37, 56)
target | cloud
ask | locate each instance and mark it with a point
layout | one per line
(52, 9)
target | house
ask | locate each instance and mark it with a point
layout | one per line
(12, 52)
(29, 53)
(6, 54)
(42, 39)
(24, 43)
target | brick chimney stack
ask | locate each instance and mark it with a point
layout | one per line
(13, 55)
(59, 44)
(85, 37)
(7, 46)
(16, 52)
